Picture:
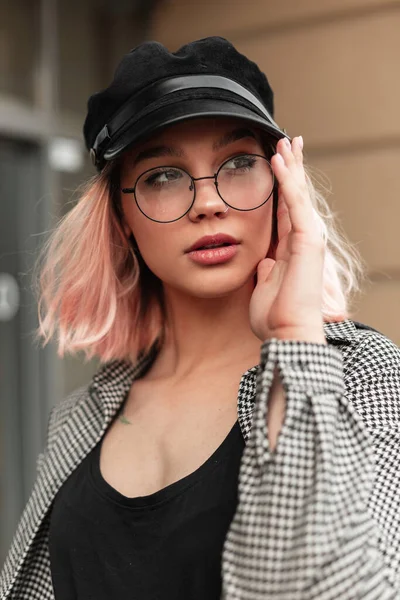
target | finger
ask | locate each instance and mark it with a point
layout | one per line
(295, 191)
(293, 156)
(264, 268)
(297, 197)
(271, 271)
(297, 149)
(283, 217)
(284, 148)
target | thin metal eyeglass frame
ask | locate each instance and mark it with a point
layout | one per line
(194, 179)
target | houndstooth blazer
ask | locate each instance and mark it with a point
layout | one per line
(317, 518)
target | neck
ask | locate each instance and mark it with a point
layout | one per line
(205, 334)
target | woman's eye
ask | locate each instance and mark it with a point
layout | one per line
(240, 163)
(162, 177)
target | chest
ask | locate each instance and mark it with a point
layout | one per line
(166, 433)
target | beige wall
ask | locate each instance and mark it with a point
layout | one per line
(333, 66)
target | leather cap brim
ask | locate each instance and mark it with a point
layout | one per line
(172, 113)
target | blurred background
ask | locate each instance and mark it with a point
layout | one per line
(334, 68)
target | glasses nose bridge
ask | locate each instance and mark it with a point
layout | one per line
(214, 177)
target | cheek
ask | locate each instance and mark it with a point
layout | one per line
(259, 230)
(142, 228)
(157, 242)
(152, 242)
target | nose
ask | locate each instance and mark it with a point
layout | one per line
(207, 202)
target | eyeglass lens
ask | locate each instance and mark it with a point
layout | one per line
(244, 182)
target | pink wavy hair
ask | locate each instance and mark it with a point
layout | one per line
(94, 295)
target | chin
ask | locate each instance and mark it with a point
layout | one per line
(216, 284)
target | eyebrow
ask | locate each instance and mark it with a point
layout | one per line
(156, 152)
(233, 136)
(162, 150)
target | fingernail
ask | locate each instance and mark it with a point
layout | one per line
(287, 143)
(301, 142)
(279, 157)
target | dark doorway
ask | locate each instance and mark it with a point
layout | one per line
(22, 383)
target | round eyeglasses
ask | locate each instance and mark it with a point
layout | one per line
(166, 194)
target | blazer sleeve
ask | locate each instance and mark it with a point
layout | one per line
(302, 529)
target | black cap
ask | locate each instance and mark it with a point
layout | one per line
(153, 88)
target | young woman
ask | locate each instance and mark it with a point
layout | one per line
(241, 438)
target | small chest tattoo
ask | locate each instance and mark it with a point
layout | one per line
(124, 420)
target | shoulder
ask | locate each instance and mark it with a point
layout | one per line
(371, 369)
(100, 396)
(62, 410)
(365, 350)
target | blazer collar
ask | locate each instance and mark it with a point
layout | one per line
(342, 332)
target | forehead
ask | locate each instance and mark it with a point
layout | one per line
(202, 130)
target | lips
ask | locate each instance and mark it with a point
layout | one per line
(213, 241)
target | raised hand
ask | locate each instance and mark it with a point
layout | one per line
(287, 300)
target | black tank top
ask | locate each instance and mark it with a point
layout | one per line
(164, 546)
